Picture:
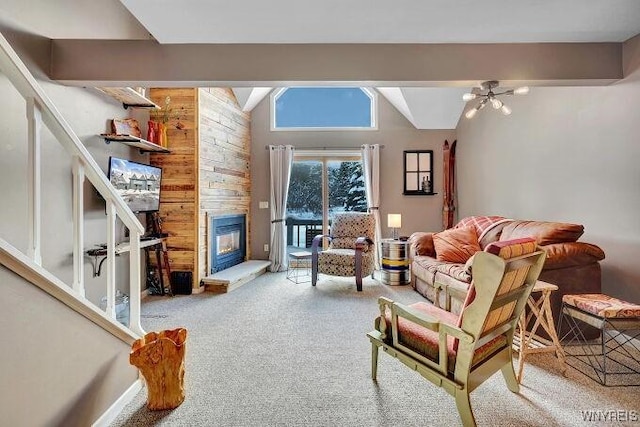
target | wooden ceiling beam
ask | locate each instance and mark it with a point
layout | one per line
(148, 63)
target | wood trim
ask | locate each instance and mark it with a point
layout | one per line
(198, 208)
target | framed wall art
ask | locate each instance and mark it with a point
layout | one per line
(418, 173)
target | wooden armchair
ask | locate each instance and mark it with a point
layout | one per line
(351, 251)
(458, 353)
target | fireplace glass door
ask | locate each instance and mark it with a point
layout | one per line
(228, 242)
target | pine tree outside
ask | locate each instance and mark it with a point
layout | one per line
(346, 193)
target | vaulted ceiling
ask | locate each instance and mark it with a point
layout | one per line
(421, 55)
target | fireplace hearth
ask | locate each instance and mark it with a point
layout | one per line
(227, 241)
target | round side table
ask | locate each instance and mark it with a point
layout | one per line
(395, 262)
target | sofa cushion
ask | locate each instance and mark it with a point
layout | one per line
(456, 244)
(482, 224)
(562, 255)
(422, 244)
(544, 232)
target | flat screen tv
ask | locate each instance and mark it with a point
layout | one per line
(138, 184)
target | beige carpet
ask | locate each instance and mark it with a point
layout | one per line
(277, 353)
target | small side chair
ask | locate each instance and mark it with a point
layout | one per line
(351, 251)
(458, 353)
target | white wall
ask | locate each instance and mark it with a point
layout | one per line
(58, 368)
(394, 132)
(565, 154)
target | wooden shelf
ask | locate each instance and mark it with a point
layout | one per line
(134, 141)
(129, 97)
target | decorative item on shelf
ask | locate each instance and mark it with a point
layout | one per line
(126, 127)
(491, 97)
(394, 221)
(152, 131)
(162, 135)
(161, 117)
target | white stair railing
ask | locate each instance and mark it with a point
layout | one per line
(41, 110)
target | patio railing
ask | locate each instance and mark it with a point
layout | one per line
(300, 232)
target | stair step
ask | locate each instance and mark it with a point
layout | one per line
(227, 280)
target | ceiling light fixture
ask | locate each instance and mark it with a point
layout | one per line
(491, 97)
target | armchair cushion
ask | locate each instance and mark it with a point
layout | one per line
(425, 341)
(456, 244)
(340, 262)
(346, 228)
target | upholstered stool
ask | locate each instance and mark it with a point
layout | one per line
(614, 359)
(299, 269)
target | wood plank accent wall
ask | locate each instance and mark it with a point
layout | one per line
(207, 171)
(179, 192)
(225, 147)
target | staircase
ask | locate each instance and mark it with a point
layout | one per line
(27, 263)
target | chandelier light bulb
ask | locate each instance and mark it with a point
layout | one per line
(471, 113)
(491, 97)
(496, 103)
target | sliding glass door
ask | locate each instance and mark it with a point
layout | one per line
(319, 188)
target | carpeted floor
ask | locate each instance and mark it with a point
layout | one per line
(277, 353)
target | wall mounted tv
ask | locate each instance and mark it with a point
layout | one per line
(138, 184)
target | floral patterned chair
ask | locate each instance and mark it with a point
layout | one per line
(351, 251)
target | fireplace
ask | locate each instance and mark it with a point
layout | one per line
(227, 241)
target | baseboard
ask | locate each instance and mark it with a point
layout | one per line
(117, 407)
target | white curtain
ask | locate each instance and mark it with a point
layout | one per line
(371, 172)
(280, 161)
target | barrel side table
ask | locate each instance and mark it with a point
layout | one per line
(395, 262)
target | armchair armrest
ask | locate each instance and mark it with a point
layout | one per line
(363, 243)
(316, 242)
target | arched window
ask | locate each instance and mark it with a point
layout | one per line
(323, 108)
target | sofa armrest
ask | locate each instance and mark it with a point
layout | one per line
(571, 254)
(421, 243)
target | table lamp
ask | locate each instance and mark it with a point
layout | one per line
(394, 221)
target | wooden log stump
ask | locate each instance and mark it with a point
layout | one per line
(160, 358)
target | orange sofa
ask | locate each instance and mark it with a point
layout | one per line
(571, 265)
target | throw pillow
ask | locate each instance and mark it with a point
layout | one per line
(512, 248)
(422, 243)
(456, 244)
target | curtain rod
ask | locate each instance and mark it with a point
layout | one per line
(266, 147)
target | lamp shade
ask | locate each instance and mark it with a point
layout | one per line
(394, 220)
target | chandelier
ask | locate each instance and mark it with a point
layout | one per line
(491, 97)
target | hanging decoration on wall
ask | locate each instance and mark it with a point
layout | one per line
(449, 184)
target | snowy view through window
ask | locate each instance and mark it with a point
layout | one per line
(345, 185)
